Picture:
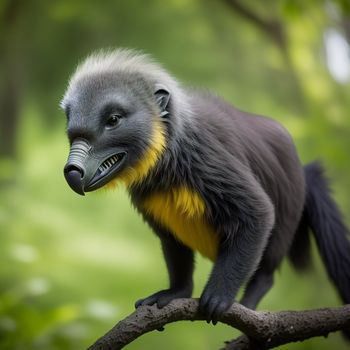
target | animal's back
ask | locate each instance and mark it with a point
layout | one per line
(268, 151)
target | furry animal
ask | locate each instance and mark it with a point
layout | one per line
(204, 175)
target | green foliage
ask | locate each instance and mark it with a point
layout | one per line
(70, 267)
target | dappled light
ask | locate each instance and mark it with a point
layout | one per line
(337, 55)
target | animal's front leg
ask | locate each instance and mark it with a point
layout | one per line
(221, 288)
(236, 261)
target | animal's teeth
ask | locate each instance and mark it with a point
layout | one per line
(108, 163)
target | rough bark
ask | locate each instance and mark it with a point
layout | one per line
(263, 330)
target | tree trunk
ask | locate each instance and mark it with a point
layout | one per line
(9, 81)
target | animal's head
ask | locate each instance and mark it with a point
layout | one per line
(119, 106)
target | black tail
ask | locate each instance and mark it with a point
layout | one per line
(322, 215)
(325, 221)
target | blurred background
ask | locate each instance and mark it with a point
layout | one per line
(71, 266)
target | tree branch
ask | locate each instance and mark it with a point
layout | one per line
(272, 27)
(262, 329)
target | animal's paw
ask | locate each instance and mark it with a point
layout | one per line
(213, 304)
(164, 297)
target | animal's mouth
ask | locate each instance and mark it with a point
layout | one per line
(106, 171)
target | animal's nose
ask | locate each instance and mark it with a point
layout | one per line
(74, 176)
(75, 168)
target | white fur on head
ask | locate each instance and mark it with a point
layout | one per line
(132, 61)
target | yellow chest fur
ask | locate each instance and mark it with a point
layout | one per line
(181, 211)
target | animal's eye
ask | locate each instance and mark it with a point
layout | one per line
(113, 121)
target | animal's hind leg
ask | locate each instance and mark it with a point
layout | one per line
(277, 248)
(257, 287)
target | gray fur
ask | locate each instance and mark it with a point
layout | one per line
(131, 63)
(244, 166)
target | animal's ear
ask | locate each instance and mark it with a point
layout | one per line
(162, 98)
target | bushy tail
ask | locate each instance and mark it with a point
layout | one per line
(322, 215)
(325, 221)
